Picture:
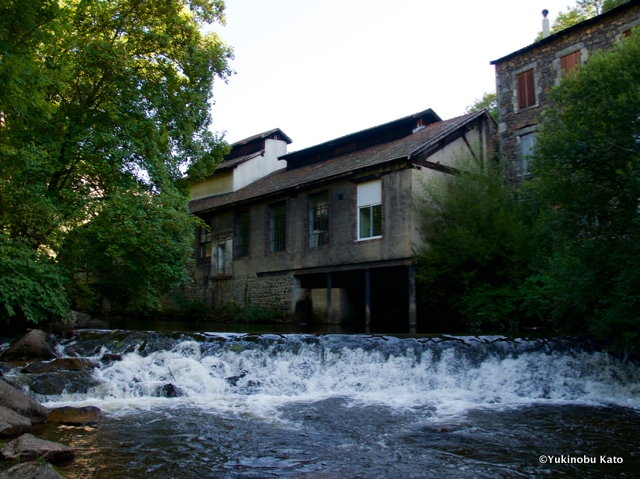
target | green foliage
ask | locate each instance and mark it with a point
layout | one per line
(587, 188)
(105, 122)
(188, 310)
(488, 101)
(31, 283)
(248, 313)
(477, 245)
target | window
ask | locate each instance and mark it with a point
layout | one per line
(241, 233)
(277, 227)
(570, 61)
(370, 209)
(526, 150)
(319, 220)
(222, 257)
(205, 243)
(526, 89)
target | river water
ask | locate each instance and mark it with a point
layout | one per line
(346, 406)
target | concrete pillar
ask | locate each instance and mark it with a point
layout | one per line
(413, 310)
(329, 300)
(367, 299)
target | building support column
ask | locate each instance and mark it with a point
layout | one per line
(413, 310)
(367, 299)
(329, 300)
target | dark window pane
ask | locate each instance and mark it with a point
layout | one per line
(319, 220)
(278, 227)
(241, 240)
(205, 243)
(365, 222)
(376, 220)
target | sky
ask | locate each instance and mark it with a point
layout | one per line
(322, 69)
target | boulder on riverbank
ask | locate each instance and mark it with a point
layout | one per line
(28, 447)
(77, 320)
(75, 416)
(31, 470)
(12, 423)
(33, 345)
(54, 384)
(19, 402)
(60, 364)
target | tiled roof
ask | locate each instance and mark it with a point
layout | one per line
(262, 135)
(240, 159)
(283, 179)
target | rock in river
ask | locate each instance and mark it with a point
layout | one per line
(75, 416)
(31, 470)
(28, 447)
(12, 423)
(33, 345)
(60, 364)
(22, 404)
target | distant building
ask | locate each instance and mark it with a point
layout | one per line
(524, 77)
(329, 231)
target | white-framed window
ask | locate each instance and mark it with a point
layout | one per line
(370, 209)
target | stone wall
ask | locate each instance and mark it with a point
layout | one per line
(272, 292)
(599, 34)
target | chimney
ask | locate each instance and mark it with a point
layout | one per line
(545, 24)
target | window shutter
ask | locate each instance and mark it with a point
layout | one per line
(522, 91)
(526, 89)
(531, 92)
(570, 61)
(369, 193)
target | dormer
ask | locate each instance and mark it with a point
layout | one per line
(249, 160)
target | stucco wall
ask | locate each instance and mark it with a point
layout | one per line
(249, 171)
(220, 182)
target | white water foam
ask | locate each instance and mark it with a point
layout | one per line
(258, 380)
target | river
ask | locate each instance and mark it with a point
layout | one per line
(346, 406)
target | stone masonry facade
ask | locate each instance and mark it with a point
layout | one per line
(272, 292)
(544, 58)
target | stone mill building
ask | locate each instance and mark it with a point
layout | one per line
(328, 232)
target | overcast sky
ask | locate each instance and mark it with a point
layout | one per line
(326, 68)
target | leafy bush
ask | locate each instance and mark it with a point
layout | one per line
(31, 283)
(477, 245)
(248, 313)
(586, 187)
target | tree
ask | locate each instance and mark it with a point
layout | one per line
(583, 10)
(587, 187)
(105, 114)
(477, 247)
(488, 101)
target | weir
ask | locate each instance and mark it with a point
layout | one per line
(301, 405)
(442, 372)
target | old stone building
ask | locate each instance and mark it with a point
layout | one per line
(525, 77)
(327, 232)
